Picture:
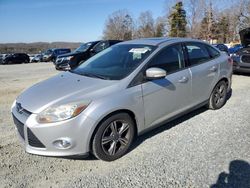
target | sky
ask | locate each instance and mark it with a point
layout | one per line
(64, 20)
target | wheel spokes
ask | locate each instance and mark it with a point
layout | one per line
(222, 90)
(123, 141)
(107, 139)
(113, 127)
(115, 137)
(112, 148)
(124, 128)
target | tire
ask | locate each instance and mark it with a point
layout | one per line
(113, 137)
(219, 96)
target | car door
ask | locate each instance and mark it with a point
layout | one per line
(164, 98)
(204, 70)
(17, 58)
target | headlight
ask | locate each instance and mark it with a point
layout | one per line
(61, 112)
(68, 58)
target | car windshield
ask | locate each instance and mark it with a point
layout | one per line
(48, 52)
(84, 47)
(116, 62)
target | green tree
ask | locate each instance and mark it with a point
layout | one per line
(209, 27)
(223, 30)
(178, 21)
(159, 27)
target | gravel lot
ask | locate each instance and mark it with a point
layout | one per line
(202, 149)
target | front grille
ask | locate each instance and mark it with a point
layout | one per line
(245, 58)
(33, 140)
(19, 126)
(22, 111)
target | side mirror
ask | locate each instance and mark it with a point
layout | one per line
(155, 73)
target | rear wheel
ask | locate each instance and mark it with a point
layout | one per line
(218, 96)
(113, 137)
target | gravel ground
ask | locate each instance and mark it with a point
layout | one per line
(202, 149)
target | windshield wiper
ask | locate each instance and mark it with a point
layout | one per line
(95, 76)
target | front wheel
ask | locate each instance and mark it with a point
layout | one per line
(218, 96)
(113, 137)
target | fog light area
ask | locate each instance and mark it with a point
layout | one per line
(62, 143)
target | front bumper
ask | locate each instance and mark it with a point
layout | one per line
(62, 64)
(40, 138)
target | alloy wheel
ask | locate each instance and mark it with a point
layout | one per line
(219, 94)
(116, 137)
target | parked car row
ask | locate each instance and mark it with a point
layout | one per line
(15, 58)
(85, 51)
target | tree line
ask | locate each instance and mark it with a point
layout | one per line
(199, 19)
(36, 47)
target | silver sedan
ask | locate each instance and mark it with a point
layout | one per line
(122, 92)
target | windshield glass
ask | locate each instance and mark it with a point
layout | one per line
(116, 62)
(48, 52)
(84, 47)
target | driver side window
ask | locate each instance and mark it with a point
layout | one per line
(101, 46)
(170, 59)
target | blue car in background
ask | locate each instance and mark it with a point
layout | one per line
(235, 48)
(222, 47)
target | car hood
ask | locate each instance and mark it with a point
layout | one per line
(65, 88)
(245, 37)
(70, 54)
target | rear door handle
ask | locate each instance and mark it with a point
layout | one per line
(183, 79)
(213, 69)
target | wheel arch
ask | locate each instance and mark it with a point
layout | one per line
(223, 79)
(129, 112)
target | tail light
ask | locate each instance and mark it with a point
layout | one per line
(230, 61)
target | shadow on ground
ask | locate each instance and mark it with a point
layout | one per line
(238, 176)
(242, 73)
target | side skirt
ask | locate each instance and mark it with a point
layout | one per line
(175, 117)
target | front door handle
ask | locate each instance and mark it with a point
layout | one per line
(183, 79)
(213, 69)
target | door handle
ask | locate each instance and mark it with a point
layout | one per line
(183, 79)
(213, 69)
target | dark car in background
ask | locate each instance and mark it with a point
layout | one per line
(241, 58)
(222, 47)
(51, 54)
(16, 58)
(81, 54)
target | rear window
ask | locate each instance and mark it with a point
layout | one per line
(197, 53)
(213, 52)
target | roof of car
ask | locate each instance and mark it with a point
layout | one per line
(159, 40)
